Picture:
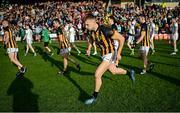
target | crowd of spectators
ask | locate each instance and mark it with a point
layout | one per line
(40, 15)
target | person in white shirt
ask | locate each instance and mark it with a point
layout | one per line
(38, 30)
(174, 35)
(72, 34)
(29, 39)
(66, 30)
(152, 33)
(131, 30)
(80, 32)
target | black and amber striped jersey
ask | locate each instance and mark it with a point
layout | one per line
(12, 40)
(65, 43)
(146, 38)
(103, 39)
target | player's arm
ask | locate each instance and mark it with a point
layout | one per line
(143, 33)
(90, 42)
(6, 37)
(60, 36)
(117, 36)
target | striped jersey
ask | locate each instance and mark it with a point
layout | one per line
(12, 40)
(146, 38)
(65, 43)
(102, 37)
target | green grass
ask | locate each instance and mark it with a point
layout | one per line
(44, 90)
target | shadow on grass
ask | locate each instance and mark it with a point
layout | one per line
(92, 51)
(24, 100)
(170, 56)
(84, 59)
(172, 65)
(50, 59)
(159, 75)
(83, 95)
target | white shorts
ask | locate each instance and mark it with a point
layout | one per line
(64, 51)
(72, 39)
(115, 56)
(28, 41)
(144, 49)
(12, 50)
(174, 36)
(109, 57)
(116, 44)
(131, 39)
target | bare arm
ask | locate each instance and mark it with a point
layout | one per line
(143, 33)
(6, 37)
(120, 39)
(90, 42)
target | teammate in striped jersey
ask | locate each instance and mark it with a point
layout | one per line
(12, 48)
(145, 44)
(64, 47)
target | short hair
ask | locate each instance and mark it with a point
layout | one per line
(90, 16)
(56, 20)
(112, 17)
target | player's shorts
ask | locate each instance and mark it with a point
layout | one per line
(64, 51)
(46, 44)
(174, 36)
(130, 39)
(109, 57)
(116, 44)
(28, 41)
(115, 56)
(144, 49)
(12, 50)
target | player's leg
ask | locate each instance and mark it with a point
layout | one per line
(27, 49)
(65, 59)
(32, 49)
(74, 46)
(119, 71)
(13, 59)
(47, 48)
(74, 62)
(98, 81)
(144, 56)
(130, 41)
(152, 44)
(174, 37)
